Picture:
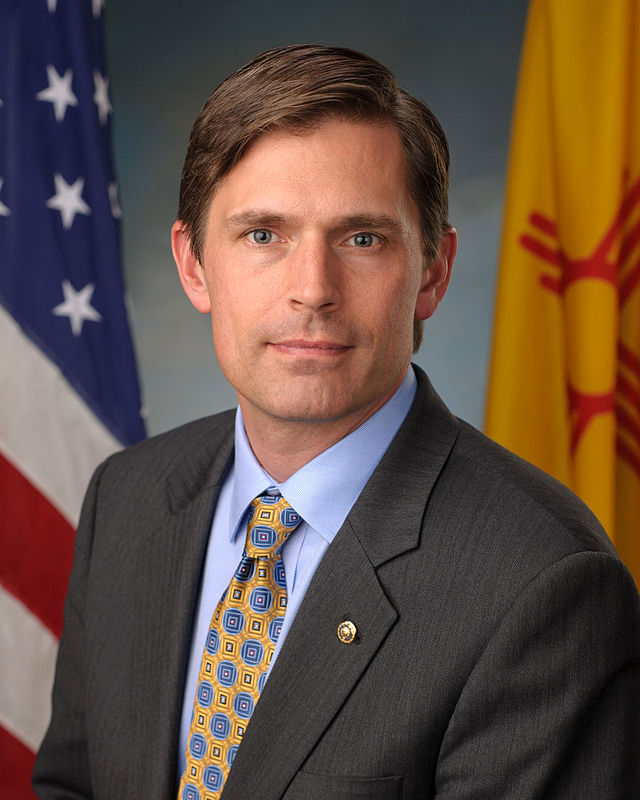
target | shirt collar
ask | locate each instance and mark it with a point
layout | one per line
(324, 490)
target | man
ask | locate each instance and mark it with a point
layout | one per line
(457, 624)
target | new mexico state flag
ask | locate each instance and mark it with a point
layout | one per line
(564, 388)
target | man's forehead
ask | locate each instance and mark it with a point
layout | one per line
(334, 132)
(345, 168)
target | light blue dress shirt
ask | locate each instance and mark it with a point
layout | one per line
(338, 474)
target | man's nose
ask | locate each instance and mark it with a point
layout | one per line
(314, 276)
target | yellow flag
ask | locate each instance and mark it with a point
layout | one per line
(564, 388)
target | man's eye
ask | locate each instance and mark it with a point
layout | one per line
(363, 239)
(261, 236)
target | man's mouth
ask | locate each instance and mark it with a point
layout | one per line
(310, 347)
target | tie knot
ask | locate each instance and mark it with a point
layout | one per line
(271, 522)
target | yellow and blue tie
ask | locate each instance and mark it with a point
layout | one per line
(239, 646)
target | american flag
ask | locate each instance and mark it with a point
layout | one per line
(69, 392)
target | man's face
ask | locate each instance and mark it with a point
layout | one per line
(312, 271)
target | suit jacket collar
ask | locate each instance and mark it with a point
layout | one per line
(409, 467)
(201, 467)
(405, 477)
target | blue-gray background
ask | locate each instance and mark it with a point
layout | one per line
(459, 56)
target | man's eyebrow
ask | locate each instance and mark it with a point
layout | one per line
(253, 217)
(256, 217)
(370, 221)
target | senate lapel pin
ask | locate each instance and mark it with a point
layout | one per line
(347, 631)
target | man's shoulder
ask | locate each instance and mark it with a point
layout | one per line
(485, 493)
(182, 439)
(188, 454)
(495, 525)
(511, 494)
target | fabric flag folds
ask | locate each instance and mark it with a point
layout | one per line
(564, 389)
(69, 392)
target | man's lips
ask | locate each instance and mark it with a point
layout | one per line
(310, 347)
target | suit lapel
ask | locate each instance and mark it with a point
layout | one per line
(168, 568)
(387, 518)
(315, 671)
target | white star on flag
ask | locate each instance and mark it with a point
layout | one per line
(51, 5)
(116, 211)
(77, 306)
(67, 199)
(4, 210)
(97, 6)
(101, 96)
(59, 92)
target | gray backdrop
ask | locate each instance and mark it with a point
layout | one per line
(165, 57)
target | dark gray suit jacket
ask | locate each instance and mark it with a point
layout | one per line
(498, 648)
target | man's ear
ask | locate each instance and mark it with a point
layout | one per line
(191, 272)
(436, 277)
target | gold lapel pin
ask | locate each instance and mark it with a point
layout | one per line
(347, 631)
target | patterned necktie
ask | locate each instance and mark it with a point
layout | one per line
(239, 646)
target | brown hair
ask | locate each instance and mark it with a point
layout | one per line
(294, 88)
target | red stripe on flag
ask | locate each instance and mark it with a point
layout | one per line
(629, 359)
(37, 545)
(16, 766)
(543, 223)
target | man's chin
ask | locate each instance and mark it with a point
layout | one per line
(304, 409)
(311, 415)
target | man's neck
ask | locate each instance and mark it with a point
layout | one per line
(282, 446)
